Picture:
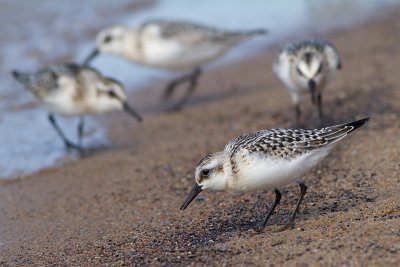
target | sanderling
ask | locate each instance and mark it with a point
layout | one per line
(171, 45)
(71, 90)
(307, 66)
(267, 159)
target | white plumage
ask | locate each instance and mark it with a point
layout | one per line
(74, 90)
(267, 159)
(307, 66)
(170, 45)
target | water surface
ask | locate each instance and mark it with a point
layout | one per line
(61, 31)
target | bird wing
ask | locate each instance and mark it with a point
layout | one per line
(290, 143)
(189, 33)
(330, 135)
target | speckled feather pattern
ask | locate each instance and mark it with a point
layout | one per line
(296, 48)
(193, 34)
(269, 159)
(287, 143)
(46, 80)
(300, 62)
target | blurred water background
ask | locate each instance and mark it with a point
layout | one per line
(42, 32)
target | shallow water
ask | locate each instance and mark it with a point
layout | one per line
(60, 31)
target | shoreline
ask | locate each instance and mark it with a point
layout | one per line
(121, 204)
(149, 92)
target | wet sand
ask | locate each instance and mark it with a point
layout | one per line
(120, 204)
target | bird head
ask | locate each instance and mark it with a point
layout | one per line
(111, 96)
(109, 40)
(310, 71)
(211, 173)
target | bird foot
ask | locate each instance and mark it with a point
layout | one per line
(288, 225)
(175, 108)
(70, 146)
(259, 229)
(165, 96)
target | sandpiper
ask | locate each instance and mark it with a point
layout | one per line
(268, 159)
(170, 45)
(74, 90)
(307, 66)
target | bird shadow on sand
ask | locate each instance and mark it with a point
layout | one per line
(240, 218)
(244, 217)
(353, 104)
(95, 149)
(376, 101)
(196, 100)
(87, 151)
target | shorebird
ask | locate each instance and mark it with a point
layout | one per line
(268, 159)
(74, 90)
(170, 45)
(307, 66)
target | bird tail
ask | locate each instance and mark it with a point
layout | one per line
(352, 126)
(21, 77)
(338, 132)
(238, 36)
(256, 32)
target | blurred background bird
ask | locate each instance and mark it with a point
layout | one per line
(74, 90)
(172, 45)
(308, 65)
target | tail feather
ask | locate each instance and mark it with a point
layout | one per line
(358, 124)
(238, 36)
(257, 32)
(338, 132)
(350, 126)
(331, 135)
(20, 77)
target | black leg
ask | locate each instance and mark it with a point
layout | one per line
(290, 222)
(80, 130)
(298, 114)
(190, 89)
(67, 143)
(271, 210)
(190, 77)
(173, 84)
(320, 111)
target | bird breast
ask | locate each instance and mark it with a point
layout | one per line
(257, 172)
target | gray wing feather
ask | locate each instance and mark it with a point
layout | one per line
(45, 81)
(192, 33)
(289, 143)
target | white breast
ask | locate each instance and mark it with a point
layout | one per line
(257, 172)
(61, 101)
(169, 53)
(282, 69)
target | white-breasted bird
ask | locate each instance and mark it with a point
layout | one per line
(74, 90)
(267, 159)
(171, 45)
(307, 66)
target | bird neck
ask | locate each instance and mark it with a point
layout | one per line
(133, 46)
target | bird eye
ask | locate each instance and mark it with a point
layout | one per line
(205, 172)
(111, 93)
(107, 39)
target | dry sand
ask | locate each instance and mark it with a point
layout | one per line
(120, 205)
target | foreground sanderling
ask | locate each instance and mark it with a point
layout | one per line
(71, 90)
(307, 66)
(267, 159)
(171, 45)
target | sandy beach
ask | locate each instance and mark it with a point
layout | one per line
(119, 205)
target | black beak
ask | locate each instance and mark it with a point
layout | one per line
(92, 55)
(311, 86)
(132, 112)
(192, 195)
